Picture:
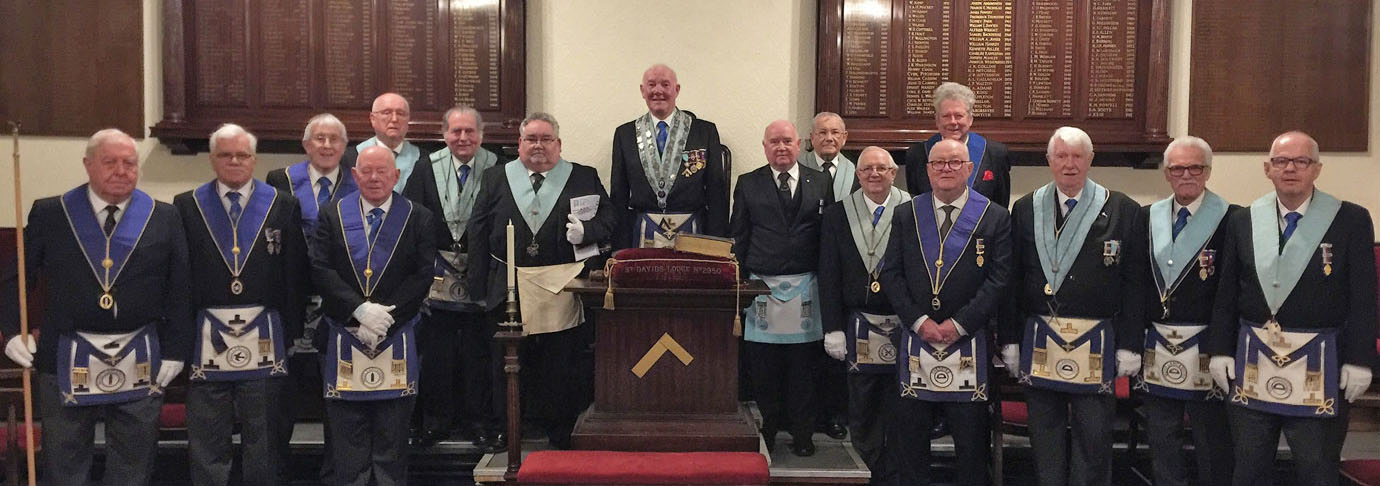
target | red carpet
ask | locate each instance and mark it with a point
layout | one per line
(643, 468)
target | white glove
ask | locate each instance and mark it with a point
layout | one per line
(374, 317)
(367, 336)
(168, 370)
(574, 230)
(835, 347)
(1355, 379)
(1223, 369)
(1011, 357)
(1127, 363)
(19, 353)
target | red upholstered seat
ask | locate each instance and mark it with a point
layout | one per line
(5, 436)
(1015, 413)
(1365, 472)
(1123, 388)
(173, 416)
(643, 468)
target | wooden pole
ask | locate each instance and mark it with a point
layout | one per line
(23, 312)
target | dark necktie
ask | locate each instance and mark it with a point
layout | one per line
(375, 220)
(948, 223)
(661, 136)
(877, 215)
(1070, 203)
(323, 196)
(463, 174)
(110, 210)
(1180, 222)
(235, 209)
(537, 179)
(829, 175)
(783, 188)
(1291, 223)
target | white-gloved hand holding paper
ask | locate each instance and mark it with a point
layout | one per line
(1127, 363)
(1355, 380)
(574, 230)
(834, 345)
(21, 351)
(1223, 370)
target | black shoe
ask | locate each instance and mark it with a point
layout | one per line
(498, 442)
(769, 437)
(428, 438)
(803, 448)
(835, 431)
(940, 429)
(481, 439)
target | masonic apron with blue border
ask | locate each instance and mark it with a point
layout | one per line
(457, 203)
(658, 229)
(1066, 353)
(977, 148)
(870, 344)
(789, 314)
(956, 372)
(1279, 369)
(237, 342)
(1173, 365)
(104, 368)
(355, 370)
(304, 190)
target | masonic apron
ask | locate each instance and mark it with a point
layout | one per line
(870, 343)
(657, 229)
(457, 203)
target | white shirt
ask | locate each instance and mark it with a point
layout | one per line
(1302, 209)
(872, 206)
(795, 177)
(833, 169)
(667, 120)
(387, 203)
(316, 175)
(957, 204)
(1063, 207)
(98, 207)
(1192, 207)
(458, 163)
(244, 191)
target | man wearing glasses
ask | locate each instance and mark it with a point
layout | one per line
(1075, 323)
(858, 319)
(560, 216)
(946, 271)
(828, 134)
(1293, 333)
(1186, 239)
(389, 117)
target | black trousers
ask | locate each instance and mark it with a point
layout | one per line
(873, 399)
(369, 440)
(1212, 445)
(552, 379)
(832, 392)
(131, 438)
(783, 380)
(970, 426)
(1085, 457)
(1314, 443)
(213, 410)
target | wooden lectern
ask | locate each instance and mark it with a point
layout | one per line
(666, 371)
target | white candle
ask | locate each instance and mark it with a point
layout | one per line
(512, 264)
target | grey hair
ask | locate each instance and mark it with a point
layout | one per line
(539, 116)
(825, 115)
(1192, 142)
(104, 136)
(463, 109)
(324, 119)
(231, 130)
(950, 90)
(1071, 136)
(890, 161)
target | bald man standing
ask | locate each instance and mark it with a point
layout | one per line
(389, 116)
(668, 175)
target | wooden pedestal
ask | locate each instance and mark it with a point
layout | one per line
(666, 371)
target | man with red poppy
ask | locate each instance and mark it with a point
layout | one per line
(953, 117)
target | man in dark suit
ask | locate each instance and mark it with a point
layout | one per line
(828, 135)
(1293, 331)
(249, 267)
(953, 117)
(775, 227)
(457, 337)
(1185, 237)
(316, 183)
(946, 271)
(573, 217)
(668, 174)
(373, 262)
(390, 116)
(116, 315)
(1075, 318)
(857, 318)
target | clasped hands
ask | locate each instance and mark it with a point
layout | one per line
(937, 333)
(374, 321)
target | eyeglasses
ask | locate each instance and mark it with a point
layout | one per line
(541, 141)
(880, 169)
(1299, 162)
(1193, 170)
(947, 164)
(391, 113)
(228, 156)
